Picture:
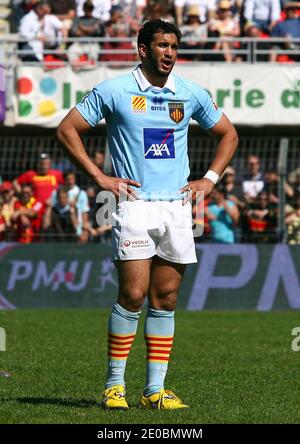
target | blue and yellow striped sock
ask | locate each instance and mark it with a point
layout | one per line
(122, 328)
(159, 332)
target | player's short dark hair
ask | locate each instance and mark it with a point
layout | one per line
(147, 31)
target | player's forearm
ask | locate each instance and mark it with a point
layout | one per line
(225, 151)
(71, 140)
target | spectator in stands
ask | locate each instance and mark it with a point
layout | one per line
(96, 231)
(101, 9)
(223, 26)
(261, 220)
(158, 9)
(253, 181)
(263, 15)
(289, 29)
(292, 221)
(60, 221)
(19, 9)
(119, 26)
(98, 158)
(8, 198)
(233, 188)
(206, 7)
(27, 216)
(44, 180)
(86, 26)
(272, 184)
(65, 10)
(222, 215)
(134, 8)
(195, 32)
(31, 29)
(2, 222)
(78, 199)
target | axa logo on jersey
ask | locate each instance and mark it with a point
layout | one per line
(159, 143)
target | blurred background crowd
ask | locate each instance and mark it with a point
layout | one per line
(43, 25)
(50, 203)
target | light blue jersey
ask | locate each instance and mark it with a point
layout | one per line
(147, 128)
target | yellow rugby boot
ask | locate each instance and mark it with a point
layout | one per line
(164, 400)
(114, 398)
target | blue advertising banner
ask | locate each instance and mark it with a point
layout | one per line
(226, 277)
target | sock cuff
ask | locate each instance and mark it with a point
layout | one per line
(160, 313)
(129, 315)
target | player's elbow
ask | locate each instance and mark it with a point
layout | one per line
(234, 136)
(61, 132)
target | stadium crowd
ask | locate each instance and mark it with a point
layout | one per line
(44, 24)
(47, 204)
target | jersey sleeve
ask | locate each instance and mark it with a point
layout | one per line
(206, 112)
(96, 105)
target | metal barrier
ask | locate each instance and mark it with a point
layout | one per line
(250, 50)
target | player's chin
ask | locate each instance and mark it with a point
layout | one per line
(166, 69)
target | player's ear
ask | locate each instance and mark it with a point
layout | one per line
(143, 50)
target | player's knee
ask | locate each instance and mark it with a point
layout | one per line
(164, 300)
(132, 298)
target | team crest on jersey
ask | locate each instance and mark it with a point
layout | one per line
(159, 143)
(138, 104)
(176, 111)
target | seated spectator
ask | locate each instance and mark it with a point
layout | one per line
(96, 231)
(289, 29)
(272, 187)
(158, 9)
(65, 10)
(233, 188)
(119, 27)
(263, 15)
(261, 220)
(251, 31)
(223, 26)
(76, 198)
(60, 221)
(86, 26)
(27, 216)
(101, 9)
(8, 198)
(206, 7)
(222, 215)
(292, 221)
(253, 182)
(195, 32)
(133, 8)
(44, 180)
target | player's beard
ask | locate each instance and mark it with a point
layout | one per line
(154, 66)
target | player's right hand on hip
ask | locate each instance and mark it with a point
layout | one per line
(119, 187)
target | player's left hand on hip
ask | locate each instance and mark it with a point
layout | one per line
(197, 189)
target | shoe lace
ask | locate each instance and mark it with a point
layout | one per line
(166, 396)
(116, 393)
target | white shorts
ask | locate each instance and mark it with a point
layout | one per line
(143, 229)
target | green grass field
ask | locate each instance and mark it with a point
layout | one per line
(229, 367)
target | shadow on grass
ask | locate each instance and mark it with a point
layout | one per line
(82, 403)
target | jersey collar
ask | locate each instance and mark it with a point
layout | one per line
(144, 84)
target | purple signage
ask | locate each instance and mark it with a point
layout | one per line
(2, 94)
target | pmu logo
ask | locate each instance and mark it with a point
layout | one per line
(159, 143)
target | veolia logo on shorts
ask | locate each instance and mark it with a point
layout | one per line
(137, 243)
